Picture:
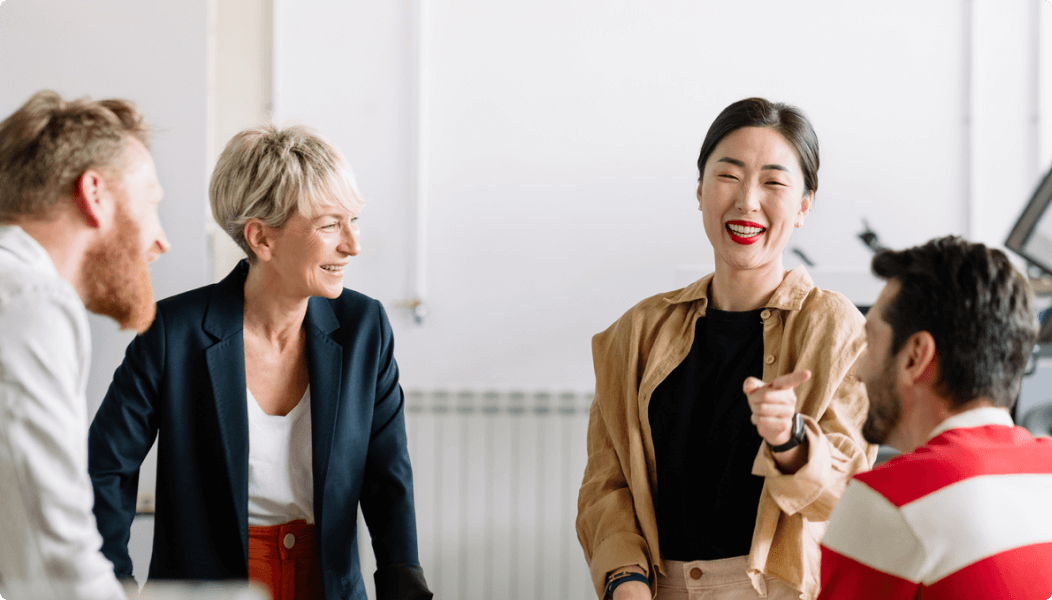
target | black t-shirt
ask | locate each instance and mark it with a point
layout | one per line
(705, 442)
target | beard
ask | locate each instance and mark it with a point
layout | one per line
(117, 276)
(885, 407)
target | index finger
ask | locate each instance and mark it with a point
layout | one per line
(791, 380)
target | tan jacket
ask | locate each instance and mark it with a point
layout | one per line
(804, 328)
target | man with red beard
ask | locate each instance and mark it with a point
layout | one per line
(963, 512)
(78, 228)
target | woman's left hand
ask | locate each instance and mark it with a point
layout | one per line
(773, 405)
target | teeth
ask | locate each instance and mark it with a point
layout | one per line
(333, 268)
(744, 231)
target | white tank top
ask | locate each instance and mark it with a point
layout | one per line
(280, 480)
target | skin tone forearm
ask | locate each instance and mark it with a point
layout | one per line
(791, 460)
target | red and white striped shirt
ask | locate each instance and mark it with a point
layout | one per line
(968, 515)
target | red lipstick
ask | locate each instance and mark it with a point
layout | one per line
(744, 232)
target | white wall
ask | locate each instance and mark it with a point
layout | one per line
(153, 53)
(562, 139)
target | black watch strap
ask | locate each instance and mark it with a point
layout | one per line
(620, 577)
(797, 438)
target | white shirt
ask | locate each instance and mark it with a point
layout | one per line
(280, 475)
(976, 417)
(49, 543)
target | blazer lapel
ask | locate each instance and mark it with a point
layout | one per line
(325, 369)
(224, 320)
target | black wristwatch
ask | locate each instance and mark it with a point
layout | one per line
(798, 435)
(620, 577)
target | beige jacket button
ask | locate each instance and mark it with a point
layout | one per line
(769, 360)
(766, 314)
(695, 573)
(289, 541)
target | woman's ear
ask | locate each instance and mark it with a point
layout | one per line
(259, 238)
(700, 207)
(805, 207)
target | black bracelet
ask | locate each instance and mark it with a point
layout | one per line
(617, 579)
(798, 437)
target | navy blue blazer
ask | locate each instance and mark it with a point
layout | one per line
(183, 382)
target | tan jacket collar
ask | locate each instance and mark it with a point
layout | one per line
(789, 295)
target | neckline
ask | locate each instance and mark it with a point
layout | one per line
(292, 414)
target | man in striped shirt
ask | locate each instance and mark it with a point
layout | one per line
(964, 512)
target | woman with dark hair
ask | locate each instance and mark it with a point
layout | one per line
(726, 421)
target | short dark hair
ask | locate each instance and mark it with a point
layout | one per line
(787, 120)
(48, 143)
(974, 304)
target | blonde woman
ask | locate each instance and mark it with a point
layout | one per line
(274, 396)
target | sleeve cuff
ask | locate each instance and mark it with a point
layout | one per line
(792, 493)
(401, 582)
(617, 551)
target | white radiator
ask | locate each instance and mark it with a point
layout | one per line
(496, 477)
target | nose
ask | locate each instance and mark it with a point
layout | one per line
(748, 198)
(160, 245)
(351, 244)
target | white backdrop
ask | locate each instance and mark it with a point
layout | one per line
(561, 141)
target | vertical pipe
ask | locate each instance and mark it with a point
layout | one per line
(276, 40)
(419, 126)
(970, 95)
(1034, 149)
(1042, 93)
(269, 53)
(211, 108)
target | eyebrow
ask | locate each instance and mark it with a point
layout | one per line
(738, 163)
(327, 215)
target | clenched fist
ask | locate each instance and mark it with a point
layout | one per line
(773, 405)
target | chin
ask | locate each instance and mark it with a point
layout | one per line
(331, 293)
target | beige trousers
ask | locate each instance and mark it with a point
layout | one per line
(723, 579)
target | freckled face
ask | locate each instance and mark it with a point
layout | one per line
(116, 275)
(752, 196)
(141, 191)
(310, 253)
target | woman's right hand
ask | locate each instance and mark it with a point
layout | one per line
(632, 590)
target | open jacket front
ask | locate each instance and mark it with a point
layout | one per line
(804, 327)
(184, 379)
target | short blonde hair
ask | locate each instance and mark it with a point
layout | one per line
(48, 143)
(267, 173)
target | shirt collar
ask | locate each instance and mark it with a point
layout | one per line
(976, 417)
(789, 295)
(15, 240)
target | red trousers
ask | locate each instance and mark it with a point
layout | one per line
(285, 559)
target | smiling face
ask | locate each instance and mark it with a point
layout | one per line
(752, 196)
(309, 254)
